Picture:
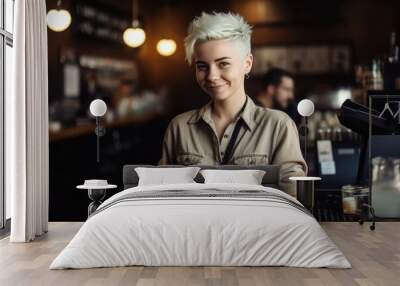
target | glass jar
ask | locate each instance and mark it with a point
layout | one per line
(396, 177)
(385, 196)
(353, 198)
(379, 169)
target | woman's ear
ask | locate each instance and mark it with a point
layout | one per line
(248, 63)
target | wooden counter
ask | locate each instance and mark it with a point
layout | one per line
(88, 128)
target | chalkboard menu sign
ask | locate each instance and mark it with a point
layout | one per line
(99, 23)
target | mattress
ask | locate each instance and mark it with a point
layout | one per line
(201, 225)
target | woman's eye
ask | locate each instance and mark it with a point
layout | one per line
(223, 64)
(201, 67)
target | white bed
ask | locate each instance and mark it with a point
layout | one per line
(268, 228)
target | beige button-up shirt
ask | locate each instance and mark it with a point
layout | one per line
(267, 136)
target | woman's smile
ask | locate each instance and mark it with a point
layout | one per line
(216, 86)
(217, 90)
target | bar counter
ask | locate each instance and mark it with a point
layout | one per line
(88, 128)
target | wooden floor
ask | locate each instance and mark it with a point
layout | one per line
(375, 256)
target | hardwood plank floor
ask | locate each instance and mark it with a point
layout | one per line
(374, 255)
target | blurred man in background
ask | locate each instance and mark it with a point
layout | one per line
(277, 91)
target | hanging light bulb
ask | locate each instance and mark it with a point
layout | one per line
(134, 36)
(58, 19)
(166, 47)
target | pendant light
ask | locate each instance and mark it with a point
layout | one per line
(166, 47)
(58, 19)
(134, 36)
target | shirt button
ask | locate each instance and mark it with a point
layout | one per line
(226, 136)
(222, 153)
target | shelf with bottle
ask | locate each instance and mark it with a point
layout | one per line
(391, 65)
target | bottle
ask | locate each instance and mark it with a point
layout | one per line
(393, 49)
(71, 75)
(392, 65)
(373, 76)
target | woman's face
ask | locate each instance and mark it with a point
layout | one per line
(221, 68)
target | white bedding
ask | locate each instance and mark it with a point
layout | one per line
(184, 231)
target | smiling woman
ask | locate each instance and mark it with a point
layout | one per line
(230, 129)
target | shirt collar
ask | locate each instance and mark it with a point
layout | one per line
(247, 114)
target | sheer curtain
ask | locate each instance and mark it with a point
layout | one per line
(27, 169)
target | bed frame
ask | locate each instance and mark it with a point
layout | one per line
(271, 177)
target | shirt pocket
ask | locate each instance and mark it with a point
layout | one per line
(251, 159)
(188, 158)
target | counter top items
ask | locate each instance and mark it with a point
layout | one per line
(305, 190)
(383, 151)
(98, 108)
(353, 199)
(356, 117)
(96, 192)
(386, 187)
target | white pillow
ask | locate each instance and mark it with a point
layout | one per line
(163, 176)
(248, 177)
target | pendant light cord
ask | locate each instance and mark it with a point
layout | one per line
(135, 14)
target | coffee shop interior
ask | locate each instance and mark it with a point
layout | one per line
(114, 75)
(334, 51)
(338, 53)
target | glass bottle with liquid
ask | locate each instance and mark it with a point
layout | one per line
(385, 187)
(353, 199)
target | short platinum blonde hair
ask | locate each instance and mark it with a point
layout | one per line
(218, 26)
